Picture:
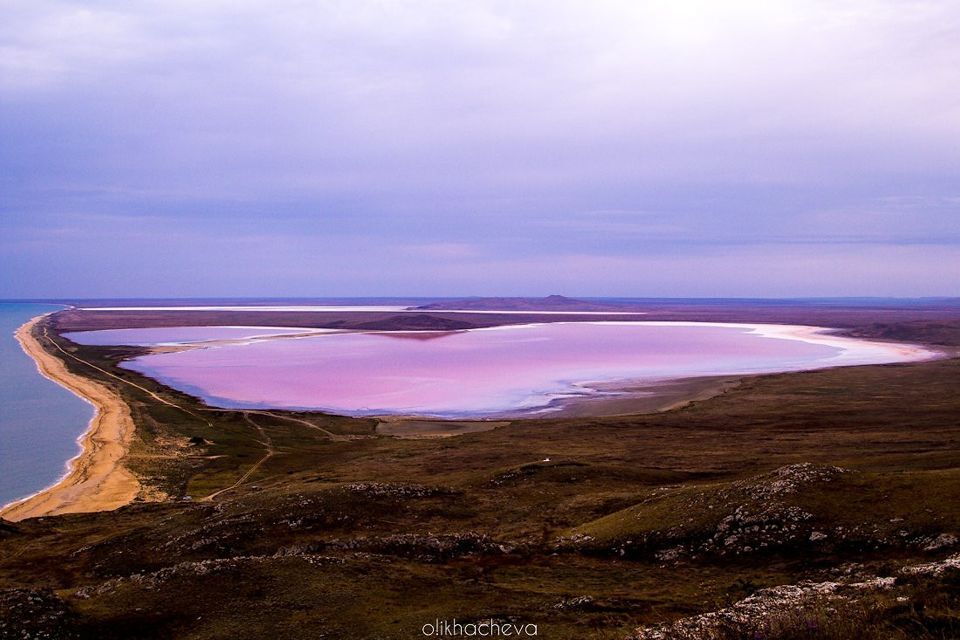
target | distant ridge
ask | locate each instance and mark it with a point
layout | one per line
(553, 302)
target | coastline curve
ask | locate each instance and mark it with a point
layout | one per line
(96, 479)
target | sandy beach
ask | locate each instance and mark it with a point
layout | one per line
(96, 479)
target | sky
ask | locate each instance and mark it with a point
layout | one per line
(765, 148)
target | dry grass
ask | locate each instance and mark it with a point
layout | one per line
(300, 549)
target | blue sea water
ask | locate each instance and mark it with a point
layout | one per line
(39, 420)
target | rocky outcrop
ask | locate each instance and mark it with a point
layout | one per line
(35, 614)
(748, 516)
(426, 547)
(773, 609)
(761, 610)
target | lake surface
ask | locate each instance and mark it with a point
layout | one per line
(481, 372)
(40, 421)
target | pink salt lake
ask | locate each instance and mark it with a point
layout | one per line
(476, 373)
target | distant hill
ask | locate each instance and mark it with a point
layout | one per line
(549, 303)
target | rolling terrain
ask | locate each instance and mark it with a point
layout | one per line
(819, 504)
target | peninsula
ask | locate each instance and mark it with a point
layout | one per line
(179, 518)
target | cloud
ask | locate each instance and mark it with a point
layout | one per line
(442, 250)
(480, 131)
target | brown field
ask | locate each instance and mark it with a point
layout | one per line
(305, 525)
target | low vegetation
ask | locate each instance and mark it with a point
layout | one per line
(806, 505)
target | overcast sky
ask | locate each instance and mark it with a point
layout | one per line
(668, 148)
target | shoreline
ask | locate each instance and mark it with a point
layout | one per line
(608, 397)
(632, 398)
(95, 480)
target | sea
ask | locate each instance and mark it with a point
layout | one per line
(40, 421)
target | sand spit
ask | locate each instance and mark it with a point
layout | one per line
(96, 479)
(635, 397)
(852, 348)
(380, 309)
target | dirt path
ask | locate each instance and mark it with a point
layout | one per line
(97, 481)
(306, 423)
(152, 394)
(266, 442)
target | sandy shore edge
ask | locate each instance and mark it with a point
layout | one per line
(96, 479)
